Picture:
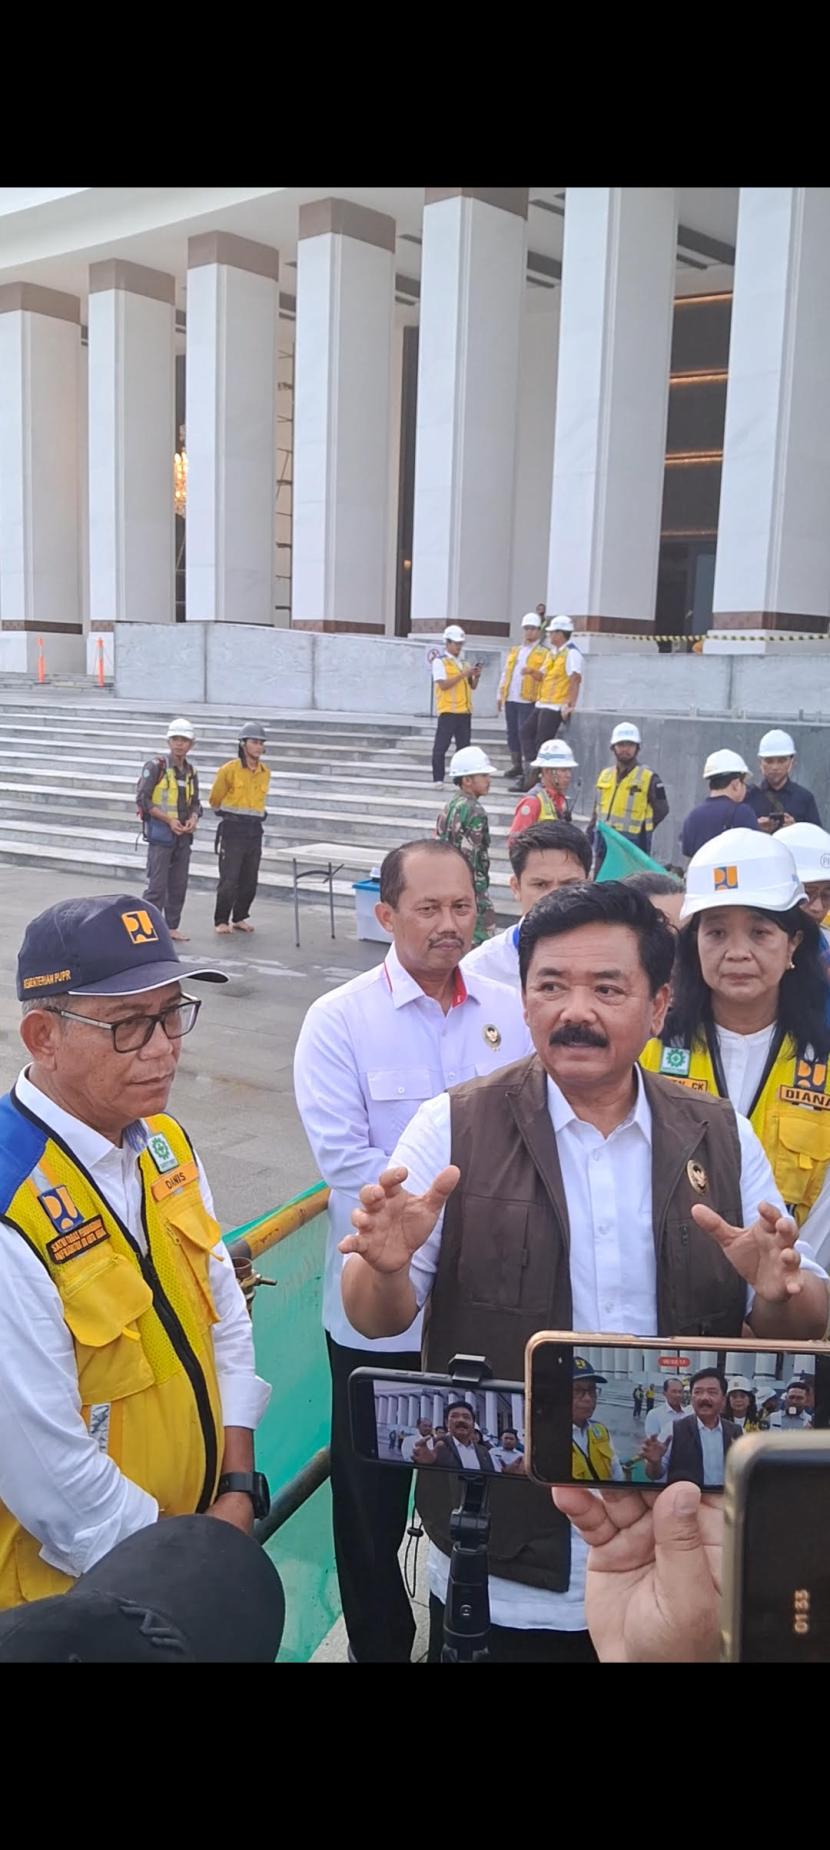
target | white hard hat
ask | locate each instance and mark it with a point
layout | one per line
(767, 1390)
(742, 867)
(776, 744)
(718, 763)
(810, 848)
(563, 624)
(471, 761)
(554, 755)
(454, 633)
(180, 729)
(740, 1384)
(531, 620)
(626, 734)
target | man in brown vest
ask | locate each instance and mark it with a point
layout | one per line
(570, 1191)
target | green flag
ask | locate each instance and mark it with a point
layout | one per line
(622, 857)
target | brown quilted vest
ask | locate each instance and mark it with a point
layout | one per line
(503, 1271)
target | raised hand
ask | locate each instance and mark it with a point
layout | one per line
(390, 1224)
(762, 1254)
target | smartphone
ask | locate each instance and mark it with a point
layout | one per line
(776, 1565)
(410, 1421)
(623, 1410)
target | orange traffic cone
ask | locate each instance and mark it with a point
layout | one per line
(100, 666)
(41, 664)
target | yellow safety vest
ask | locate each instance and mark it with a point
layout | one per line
(166, 793)
(141, 1326)
(528, 688)
(238, 791)
(600, 1454)
(624, 802)
(457, 699)
(790, 1117)
(553, 691)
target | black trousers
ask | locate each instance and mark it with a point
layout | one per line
(513, 714)
(240, 851)
(168, 865)
(369, 1506)
(456, 726)
(507, 1646)
(528, 733)
(548, 723)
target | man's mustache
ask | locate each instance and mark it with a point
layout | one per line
(577, 1037)
(439, 944)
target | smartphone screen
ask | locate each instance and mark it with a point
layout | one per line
(427, 1422)
(652, 1416)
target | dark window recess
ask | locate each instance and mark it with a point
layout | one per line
(691, 497)
(406, 482)
(697, 414)
(700, 337)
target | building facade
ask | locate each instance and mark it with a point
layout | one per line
(391, 408)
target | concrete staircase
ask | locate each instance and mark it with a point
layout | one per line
(69, 765)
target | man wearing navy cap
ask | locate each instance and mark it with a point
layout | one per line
(594, 1459)
(127, 1382)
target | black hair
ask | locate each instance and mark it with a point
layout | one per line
(703, 1375)
(542, 837)
(510, 1429)
(752, 1409)
(611, 902)
(724, 779)
(669, 1378)
(393, 866)
(457, 1406)
(653, 883)
(802, 994)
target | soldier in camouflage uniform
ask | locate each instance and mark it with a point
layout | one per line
(464, 824)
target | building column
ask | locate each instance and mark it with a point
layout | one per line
(40, 591)
(472, 295)
(345, 306)
(618, 270)
(534, 452)
(772, 570)
(132, 441)
(231, 410)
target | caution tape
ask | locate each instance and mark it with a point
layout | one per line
(727, 636)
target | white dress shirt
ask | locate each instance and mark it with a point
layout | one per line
(367, 1056)
(514, 690)
(608, 1188)
(743, 1058)
(52, 1475)
(712, 1453)
(661, 1418)
(497, 958)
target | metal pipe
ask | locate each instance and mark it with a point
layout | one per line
(256, 1238)
(294, 1494)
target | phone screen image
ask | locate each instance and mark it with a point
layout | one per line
(424, 1422)
(652, 1417)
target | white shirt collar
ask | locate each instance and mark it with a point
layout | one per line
(403, 987)
(86, 1144)
(562, 1114)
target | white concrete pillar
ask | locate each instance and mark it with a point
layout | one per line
(345, 305)
(231, 433)
(618, 270)
(772, 568)
(40, 593)
(414, 1413)
(437, 1410)
(132, 441)
(426, 1407)
(517, 1408)
(491, 1411)
(534, 452)
(472, 294)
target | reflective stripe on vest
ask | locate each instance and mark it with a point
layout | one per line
(166, 793)
(141, 1326)
(594, 1463)
(623, 802)
(790, 1118)
(458, 698)
(554, 689)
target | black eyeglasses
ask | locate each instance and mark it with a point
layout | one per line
(134, 1031)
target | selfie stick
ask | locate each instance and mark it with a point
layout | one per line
(467, 1609)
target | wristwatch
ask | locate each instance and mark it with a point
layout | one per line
(253, 1484)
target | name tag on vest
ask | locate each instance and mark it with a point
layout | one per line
(693, 1085)
(799, 1095)
(170, 1185)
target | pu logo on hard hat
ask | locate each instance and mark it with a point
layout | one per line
(139, 927)
(725, 877)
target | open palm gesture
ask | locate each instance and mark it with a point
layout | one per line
(391, 1224)
(763, 1254)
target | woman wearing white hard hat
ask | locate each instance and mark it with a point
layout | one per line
(741, 1406)
(454, 680)
(465, 825)
(747, 1019)
(523, 673)
(555, 765)
(168, 803)
(725, 807)
(629, 797)
(810, 849)
(777, 801)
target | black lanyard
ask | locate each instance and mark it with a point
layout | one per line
(717, 1064)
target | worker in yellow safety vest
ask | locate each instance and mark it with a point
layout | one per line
(127, 1382)
(240, 788)
(748, 1018)
(548, 800)
(593, 1457)
(168, 804)
(558, 692)
(454, 680)
(524, 672)
(629, 797)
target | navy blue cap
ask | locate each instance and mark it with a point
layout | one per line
(583, 1371)
(113, 945)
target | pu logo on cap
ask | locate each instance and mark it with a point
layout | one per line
(725, 877)
(139, 927)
